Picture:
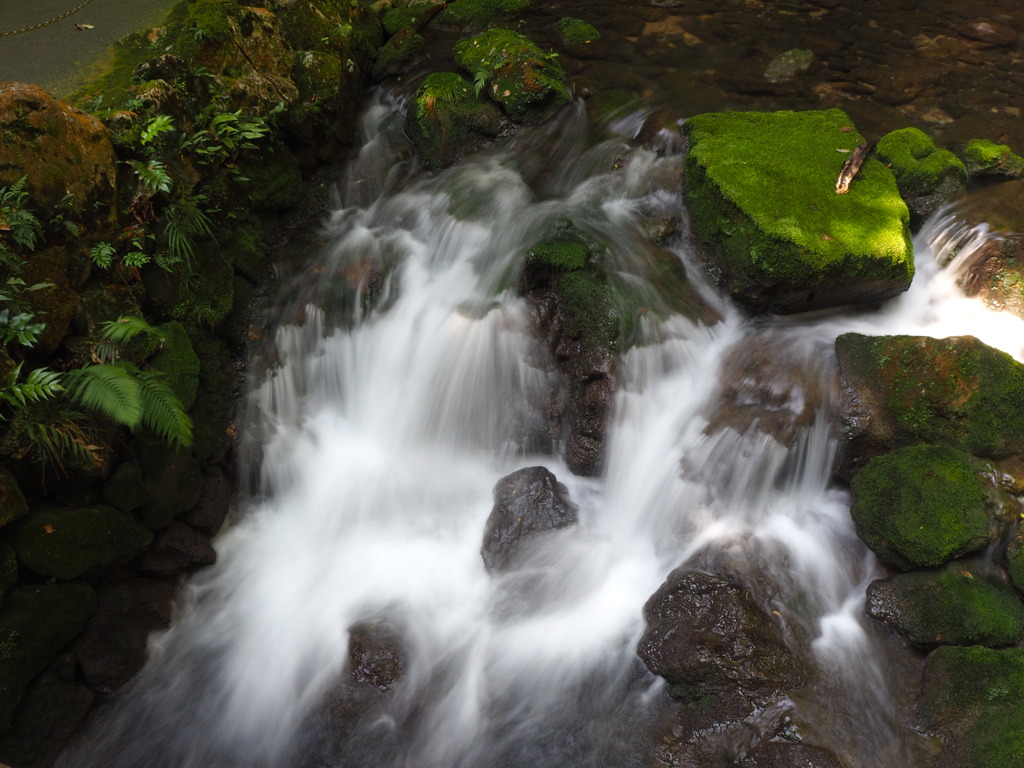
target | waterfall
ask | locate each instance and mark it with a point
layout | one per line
(401, 378)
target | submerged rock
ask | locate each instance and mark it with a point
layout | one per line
(921, 505)
(902, 390)
(527, 504)
(762, 198)
(960, 604)
(995, 273)
(376, 654)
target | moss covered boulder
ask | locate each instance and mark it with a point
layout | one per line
(926, 175)
(762, 198)
(398, 53)
(82, 542)
(527, 83)
(176, 363)
(12, 500)
(921, 506)
(961, 604)
(904, 390)
(575, 34)
(986, 158)
(446, 120)
(465, 14)
(35, 624)
(972, 698)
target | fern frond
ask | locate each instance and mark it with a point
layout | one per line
(110, 389)
(41, 384)
(126, 328)
(162, 412)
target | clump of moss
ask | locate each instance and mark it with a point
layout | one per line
(957, 605)
(525, 81)
(973, 696)
(761, 193)
(84, 542)
(956, 391)
(926, 175)
(576, 33)
(986, 158)
(176, 362)
(396, 54)
(446, 119)
(479, 13)
(414, 15)
(921, 506)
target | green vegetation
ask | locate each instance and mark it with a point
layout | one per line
(975, 692)
(576, 33)
(414, 15)
(479, 13)
(921, 505)
(919, 166)
(397, 53)
(761, 193)
(986, 158)
(19, 227)
(507, 67)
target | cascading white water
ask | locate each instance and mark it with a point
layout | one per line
(379, 435)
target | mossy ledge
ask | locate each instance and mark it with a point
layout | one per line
(760, 187)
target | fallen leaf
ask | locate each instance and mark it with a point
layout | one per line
(49, 528)
(85, 26)
(846, 128)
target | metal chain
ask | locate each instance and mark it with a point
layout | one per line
(54, 20)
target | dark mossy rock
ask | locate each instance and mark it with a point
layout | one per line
(176, 550)
(565, 278)
(173, 482)
(413, 15)
(8, 570)
(707, 636)
(971, 697)
(398, 54)
(903, 390)
(103, 303)
(36, 622)
(84, 542)
(446, 120)
(921, 506)
(527, 503)
(214, 409)
(209, 514)
(376, 654)
(125, 488)
(12, 500)
(176, 363)
(55, 305)
(243, 245)
(274, 184)
(926, 176)
(201, 300)
(986, 158)
(48, 716)
(995, 272)
(576, 34)
(527, 83)
(113, 646)
(476, 14)
(1015, 557)
(807, 247)
(960, 604)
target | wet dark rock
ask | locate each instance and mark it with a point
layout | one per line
(903, 390)
(988, 31)
(113, 647)
(209, 514)
(47, 717)
(376, 654)
(36, 622)
(167, 66)
(960, 604)
(527, 504)
(788, 65)
(125, 488)
(177, 549)
(779, 754)
(707, 637)
(12, 501)
(921, 506)
(8, 570)
(173, 483)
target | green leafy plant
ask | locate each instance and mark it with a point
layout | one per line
(155, 127)
(102, 254)
(153, 175)
(40, 384)
(18, 225)
(184, 221)
(18, 322)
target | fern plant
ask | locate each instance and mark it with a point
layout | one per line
(184, 221)
(17, 224)
(153, 175)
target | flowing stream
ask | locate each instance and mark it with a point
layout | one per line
(403, 376)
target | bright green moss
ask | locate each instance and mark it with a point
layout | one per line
(986, 158)
(761, 192)
(576, 33)
(82, 542)
(919, 166)
(921, 506)
(414, 15)
(563, 256)
(510, 69)
(957, 605)
(956, 391)
(977, 690)
(479, 13)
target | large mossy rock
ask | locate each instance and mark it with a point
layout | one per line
(35, 623)
(82, 542)
(527, 83)
(462, 14)
(527, 504)
(446, 120)
(959, 604)
(921, 506)
(904, 390)
(972, 698)
(926, 176)
(761, 193)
